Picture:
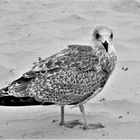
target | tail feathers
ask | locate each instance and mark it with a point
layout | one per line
(18, 101)
(18, 95)
(4, 92)
(8, 100)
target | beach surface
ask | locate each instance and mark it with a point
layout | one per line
(39, 28)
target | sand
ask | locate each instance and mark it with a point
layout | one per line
(32, 28)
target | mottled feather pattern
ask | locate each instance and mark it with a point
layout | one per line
(69, 77)
(79, 75)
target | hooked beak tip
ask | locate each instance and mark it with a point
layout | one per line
(105, 44)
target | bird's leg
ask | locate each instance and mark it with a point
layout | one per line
(83, 116)
(70, 124)
(90, 126)
(62, 116)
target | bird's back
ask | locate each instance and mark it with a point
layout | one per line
(70, 77)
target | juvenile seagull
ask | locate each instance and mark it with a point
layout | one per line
(70, 77)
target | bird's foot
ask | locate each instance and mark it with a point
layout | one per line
(71, 124)
(74, 123)
(92, 126)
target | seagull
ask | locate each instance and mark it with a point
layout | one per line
(70, 77)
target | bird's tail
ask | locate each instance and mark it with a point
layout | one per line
(9, 100)
(19, 87)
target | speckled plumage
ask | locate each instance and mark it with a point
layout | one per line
(72, 76)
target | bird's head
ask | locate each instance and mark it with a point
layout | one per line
(103, 36)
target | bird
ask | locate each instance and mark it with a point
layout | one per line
(70, 77)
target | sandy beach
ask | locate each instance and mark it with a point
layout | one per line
(39, 28)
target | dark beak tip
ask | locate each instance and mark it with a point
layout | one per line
(105, 44)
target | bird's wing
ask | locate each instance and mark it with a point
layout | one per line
(18, 88)
(64, 78)
(51, 62)
(69, 57)
(72, 76)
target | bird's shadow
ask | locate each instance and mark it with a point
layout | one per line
(79, 124)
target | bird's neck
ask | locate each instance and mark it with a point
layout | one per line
(112, 55)
(94, 45)
(109, 57)
(111, 49)
(111, 62)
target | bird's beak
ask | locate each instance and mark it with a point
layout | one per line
(105, 44)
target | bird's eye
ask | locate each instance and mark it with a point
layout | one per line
(111, 36)
(97, 36)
